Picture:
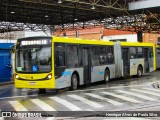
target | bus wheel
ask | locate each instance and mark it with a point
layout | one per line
(139, 71)
(42, 91)
(106, 76)
(74, 82)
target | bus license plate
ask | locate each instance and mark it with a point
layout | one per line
(32, 83)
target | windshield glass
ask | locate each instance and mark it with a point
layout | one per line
(33, 59)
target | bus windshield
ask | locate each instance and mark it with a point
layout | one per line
(33, 59)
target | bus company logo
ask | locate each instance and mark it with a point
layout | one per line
(66, 73)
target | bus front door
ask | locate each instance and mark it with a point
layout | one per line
(86, 65)
(126, 61)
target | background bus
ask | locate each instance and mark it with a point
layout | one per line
(54, 62)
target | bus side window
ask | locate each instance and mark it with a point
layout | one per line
(56, 58)
(59, 58)
(133, 52)
(151, 53)
(110, 55)
(59, 54)
(102, 57)
(94, 55)
(158, 51)
(140, 52)
(72, 56)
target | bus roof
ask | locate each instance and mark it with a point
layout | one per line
(86, 41)
(35, 37)
(81, 41)
(98, 42)
(136, 44)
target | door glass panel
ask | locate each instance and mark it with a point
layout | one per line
(151, 57)
(94, 55)
(85, 57)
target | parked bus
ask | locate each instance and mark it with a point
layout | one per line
(55, 62)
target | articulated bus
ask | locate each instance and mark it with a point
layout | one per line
(55, 62)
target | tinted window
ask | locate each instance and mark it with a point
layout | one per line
(59, 54)
(59, 46)
(140, 52)
(72, 56)
(132, 52)
(59, 58)
(102, 57)
(151, 53)
(85, 57)
(158, 50)
(110, 55)
(94, 55)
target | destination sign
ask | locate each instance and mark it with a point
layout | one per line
(34, 42)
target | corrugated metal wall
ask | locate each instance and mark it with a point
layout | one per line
(5, 62)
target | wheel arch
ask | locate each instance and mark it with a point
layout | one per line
(107, 68)
(77, 74)
(140, 65)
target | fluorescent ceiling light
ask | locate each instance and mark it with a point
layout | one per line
(59, 1)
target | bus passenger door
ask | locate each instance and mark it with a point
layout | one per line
(126, 61)
(86, 65)
(146, 59)
(151, 60)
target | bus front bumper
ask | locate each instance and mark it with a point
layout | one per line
(35, 84)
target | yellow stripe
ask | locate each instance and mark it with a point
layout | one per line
(136, 44)
(81, 41)
(98, 42)
(53, 72)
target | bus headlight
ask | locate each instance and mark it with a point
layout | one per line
(16, 76)
(49, 76)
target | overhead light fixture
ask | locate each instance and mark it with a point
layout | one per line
(75, 19)
(93, 7)
(12, 12)
(59, 1)
(46, 16)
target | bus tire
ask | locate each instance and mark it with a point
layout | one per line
(74, 82)
(139, 71)
(106, 76)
